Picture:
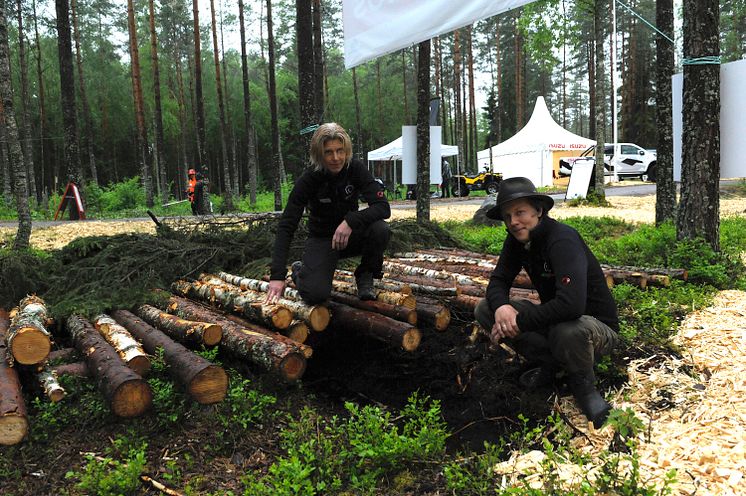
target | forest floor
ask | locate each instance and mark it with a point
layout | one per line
(693, 404)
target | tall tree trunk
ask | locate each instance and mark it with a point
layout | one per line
(7, 179)
(665, 188)
(16, 155)
(142, 131)
(457, 102)
(473, 146)
(182, 176)
(250, 143)
(160, 155)
(358, 128)
(499, 82)
(591, 59)
(67, 89)
(438, 63)
(423, 133)
(699, 206)
(276, 175)
(26, 135)
(42, 105)
(520, 99)
(235, 186)
(379, 99)
(199, 103)
(83, 95)
(227, 190)
(600, 15)
(318, 62)
(304, 48)
(404, 81)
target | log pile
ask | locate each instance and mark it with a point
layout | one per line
(13, 418)
(27, 340)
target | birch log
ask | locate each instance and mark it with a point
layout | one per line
(128, 348)
(50, 385)
(206, 333)
(28, 340)
(435, 274)
(204, 382)
(405, 300)
(126, 392)
(13, 417)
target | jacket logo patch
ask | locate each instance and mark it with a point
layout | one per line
(349, 189)
(379, 194)
(565, 280)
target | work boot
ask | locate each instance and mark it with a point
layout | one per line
(295, 268)
(364, 282)
(537, 377)
(593, 405)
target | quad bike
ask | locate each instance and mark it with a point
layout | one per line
(461, 185)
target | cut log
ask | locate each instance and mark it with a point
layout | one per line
(405, 300)
(681, 274)
(28, 340)
(13, 417)
(206, 333)
(50, 385)
(269, 350)
(426, 286)
(374, 325)
(205, 382)
(473, 290)
(436, 315)
(63, 355)
(128, 348)
(247, 303)
(298, 330)
(435, 274)
(458, 252)
(397, 312)
(126, 392)
(316, 316)
(76, 369)
(444, 259)
(257, 285)
(639, 279)
(384, 285)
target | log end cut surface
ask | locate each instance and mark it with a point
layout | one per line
(13, 428)
(411, 339)
(212, 334)
(140, 365)
(293, 366)
(282, 318)
(132, 399)
(30, 346)
(442, 319)
(320, 317)
(209, 385)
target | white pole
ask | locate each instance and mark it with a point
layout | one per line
(615, 135)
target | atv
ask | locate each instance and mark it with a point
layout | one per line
(461, 185)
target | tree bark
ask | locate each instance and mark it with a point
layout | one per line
(665, 188)
(318, 62)
(305, 51)
(13, 416)
(27, 339)
(196, 333)
(275, 127)
(27, 135)
(128, 349)
(42, 107)
(250, 143)
(126, 392)
(83, 96)
(380, 327)
(433, 313)
(204, 382)
(198, 98)
(473, 146)
(160, 155)
(458, 131)
(227, 190)
(699, 207)
(600, 16)
(396, 312)
(358, 128)
(14, 146)
(47, 379)
(423, 133)
(401, 299)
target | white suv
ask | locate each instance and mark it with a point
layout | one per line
(629, 161)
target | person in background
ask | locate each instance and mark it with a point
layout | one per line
(576, 322)
(445, 187)
(191, 183)
(337, 228)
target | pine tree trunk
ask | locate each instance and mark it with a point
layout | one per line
(404, 83)
(699, 206)
(83, 95)
(42, 107)
(26, 135)
(14, 146)
(159, 139)
(520, 99)
(423, 133)
(472, 103)
(305, 51)
(600, 16)
(275, 128)
(142, 131)
(318, 61)
(458, 130)
(250, 143)
(373, 325)
(499, 83)
(199, 104)
(67, 89)
(232, 160)
(665, 188)
(181, 98)
(358, 127)
(227, 190)
(379, 99)
(591, 60)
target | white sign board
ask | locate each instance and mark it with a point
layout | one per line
(732, 121)
(580, 179)
(376, 27)
(409, 155)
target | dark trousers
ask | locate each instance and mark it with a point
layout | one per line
(320, 260)
(573, 345)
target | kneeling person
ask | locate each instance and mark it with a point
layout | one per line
(336, 227)
(576, 322)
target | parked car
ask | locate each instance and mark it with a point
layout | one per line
(630, 161)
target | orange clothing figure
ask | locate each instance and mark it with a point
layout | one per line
(191, 184)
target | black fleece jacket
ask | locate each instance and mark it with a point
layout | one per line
(563, 270)
(330, 199)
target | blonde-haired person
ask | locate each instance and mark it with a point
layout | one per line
(337, 228)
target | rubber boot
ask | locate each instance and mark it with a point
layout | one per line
(364, 284)
(593, 405)
(537, 377)
(295, 268)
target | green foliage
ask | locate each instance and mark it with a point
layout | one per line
(22, 273)
(243, 406)
(625, 423)
(592, 199)
(596, 228)
(474, 474)
(353, 453)
(408, 235)
(107, 476)
(486, 239)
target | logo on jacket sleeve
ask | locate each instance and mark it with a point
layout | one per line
(565, 281)
(379, 194)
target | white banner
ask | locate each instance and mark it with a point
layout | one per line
(409, 155)
(376, 27)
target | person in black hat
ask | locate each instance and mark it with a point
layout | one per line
(576, 322)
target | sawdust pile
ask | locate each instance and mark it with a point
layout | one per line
(693, 409)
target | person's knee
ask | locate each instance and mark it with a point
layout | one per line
(571, 345)
(314, 295)
(380, 232)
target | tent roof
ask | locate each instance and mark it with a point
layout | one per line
(393, 151)
(541, 132)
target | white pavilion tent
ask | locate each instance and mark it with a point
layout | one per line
(534, 151)
(394, 151)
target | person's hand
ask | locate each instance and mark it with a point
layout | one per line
(274, 291)
(505, 324)
(341, 236)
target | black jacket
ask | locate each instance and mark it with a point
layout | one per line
(330, 199)
(563, 270)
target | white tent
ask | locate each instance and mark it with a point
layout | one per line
(393, 151)
(531, 151)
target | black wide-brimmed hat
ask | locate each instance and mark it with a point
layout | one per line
(514, 188)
